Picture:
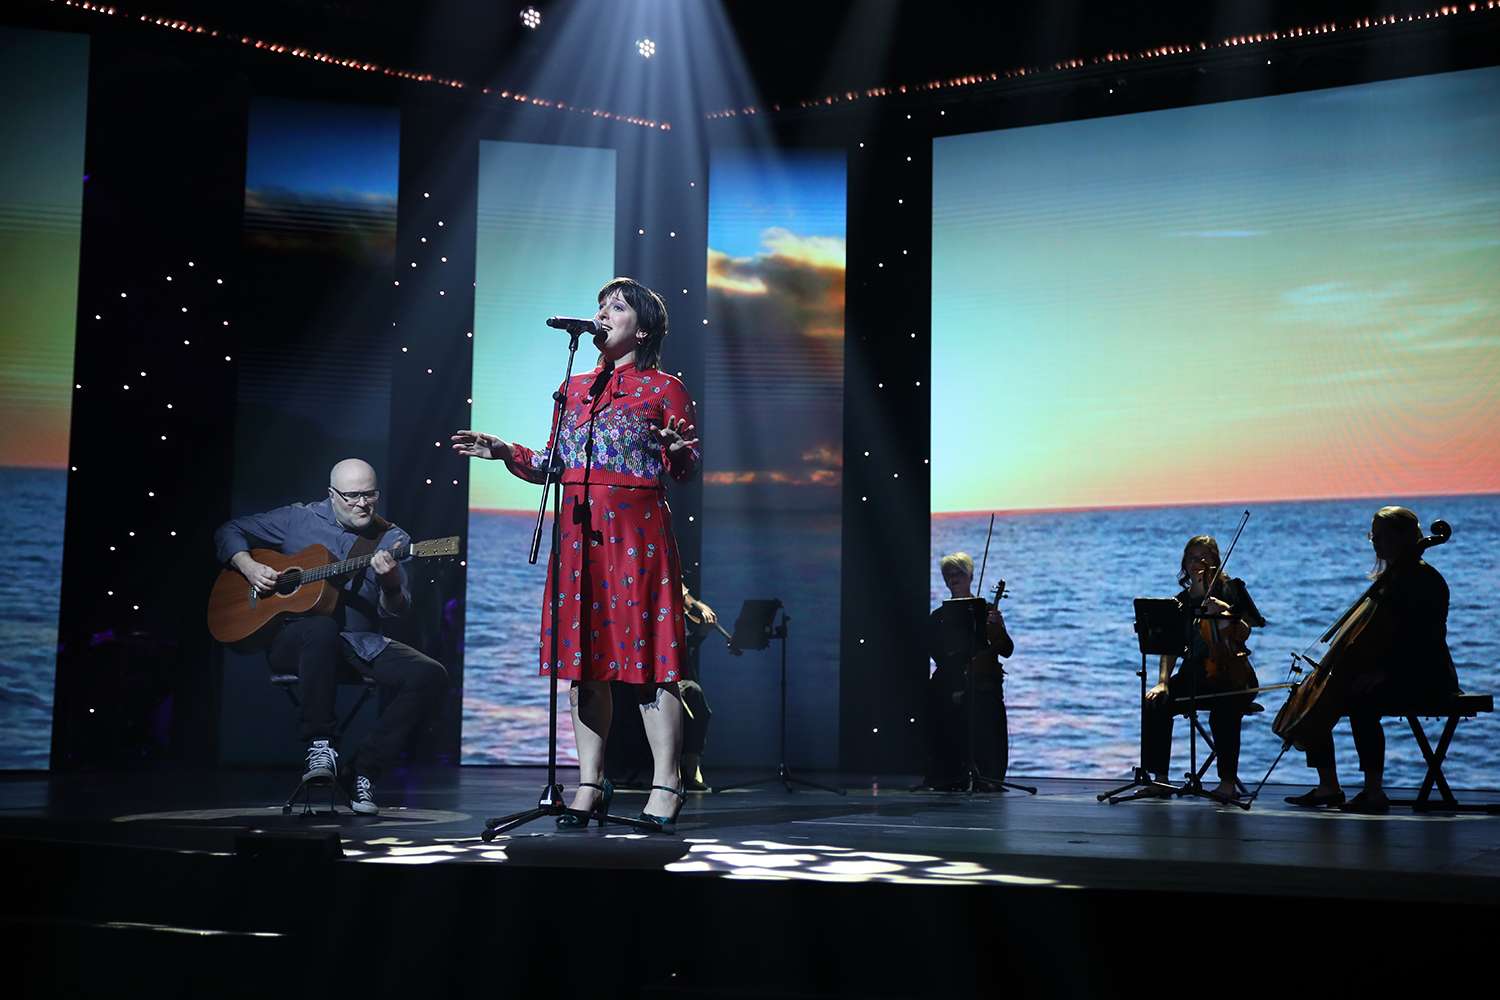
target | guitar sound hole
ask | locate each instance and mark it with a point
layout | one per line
(291, 581)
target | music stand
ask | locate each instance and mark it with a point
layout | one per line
(754, 629)
(1159, 632)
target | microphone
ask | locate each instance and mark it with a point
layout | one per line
(574, 325)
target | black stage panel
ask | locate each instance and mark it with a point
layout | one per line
(189, 882)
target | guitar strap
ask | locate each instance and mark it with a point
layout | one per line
(364, 545)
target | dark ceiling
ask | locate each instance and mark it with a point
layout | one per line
(793, 49)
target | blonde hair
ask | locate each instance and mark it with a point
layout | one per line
(956, 560)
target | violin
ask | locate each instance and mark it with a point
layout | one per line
(1361, 637)
(987, 663)
(1228, 662)
(699, 629)
(997, 644)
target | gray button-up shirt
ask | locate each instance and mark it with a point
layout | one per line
(293, 528)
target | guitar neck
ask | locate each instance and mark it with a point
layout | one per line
(346, 566)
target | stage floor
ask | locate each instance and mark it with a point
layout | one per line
(1062, 837)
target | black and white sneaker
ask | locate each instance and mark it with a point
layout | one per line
(322, 762)
(363, 799)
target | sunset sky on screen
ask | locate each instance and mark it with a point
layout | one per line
(1284, 298)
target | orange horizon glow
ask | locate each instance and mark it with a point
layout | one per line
(1166, 505)
(34, 438)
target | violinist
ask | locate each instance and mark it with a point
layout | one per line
(702, 621)
(947, 708)
(1408, 666)
(628, 754)
(1219, 622)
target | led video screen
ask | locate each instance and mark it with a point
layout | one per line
(545, 247)
(774, 447)
(1283, 305)
(44, 90)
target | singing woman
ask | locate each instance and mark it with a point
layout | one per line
(625, 427)
(1414, 667)
(1227, 608)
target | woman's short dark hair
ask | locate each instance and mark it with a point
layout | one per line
(650, 315)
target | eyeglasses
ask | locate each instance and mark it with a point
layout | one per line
(357, 496)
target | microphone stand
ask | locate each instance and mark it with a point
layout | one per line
(550, 802)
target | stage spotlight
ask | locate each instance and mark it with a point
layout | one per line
(646, 47)
(531, 17)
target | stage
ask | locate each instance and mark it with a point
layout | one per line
(184, 881)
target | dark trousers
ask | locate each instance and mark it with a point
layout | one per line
(1364, 711)
(948, 728)
(1369, 741)
(696, 717)
(1158, 717)
(411, 683)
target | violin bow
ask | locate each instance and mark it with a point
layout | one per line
(1236, 694)
(1219, 569)
(979, 587)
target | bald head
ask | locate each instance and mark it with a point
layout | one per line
(352, 490)
(352, 474)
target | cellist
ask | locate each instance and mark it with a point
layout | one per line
(1412, 667)
(1225, 617)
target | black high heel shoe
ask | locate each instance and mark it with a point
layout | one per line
(576, 820)
(665, 824)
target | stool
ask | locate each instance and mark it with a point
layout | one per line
(1454, 707)
(1208, 741)
(287, 683)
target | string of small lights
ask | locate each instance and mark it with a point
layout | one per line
(1475, 8)
(356, 65)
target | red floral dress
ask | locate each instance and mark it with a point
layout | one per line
(621, 594)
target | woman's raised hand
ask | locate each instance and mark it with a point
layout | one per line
(477, 444)
(678, 434)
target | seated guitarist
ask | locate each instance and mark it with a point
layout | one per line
(316, 647)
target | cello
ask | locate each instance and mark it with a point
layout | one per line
(1359, 638)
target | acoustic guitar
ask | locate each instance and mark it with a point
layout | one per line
(239, 615)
